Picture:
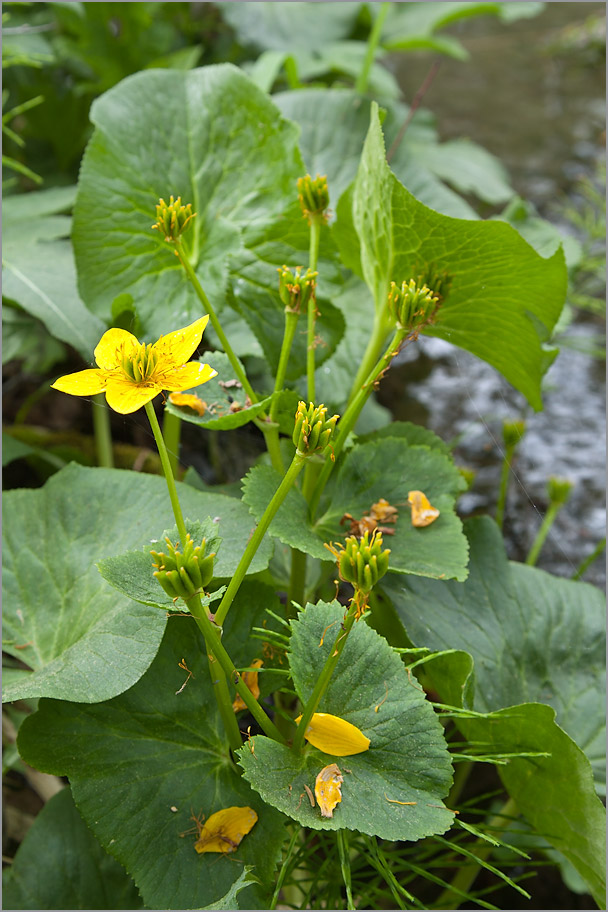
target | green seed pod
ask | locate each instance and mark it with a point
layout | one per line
(412, 306)
(312, 430)
(512, 432)
(296, 290)
(173, 219)
(182, 573)
(313, 197)
(362, 562)
(559, 490)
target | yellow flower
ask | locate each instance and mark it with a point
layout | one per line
(336, 736)
(131, 374)
(224, 830)
(327, 789)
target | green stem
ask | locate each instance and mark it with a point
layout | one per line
(382, 325)
(172, 426)
(291, 321)
(222, 695)
(255, 540)
(101, 430)
(216, 649)
(167, 471)
(325, 677)
(342, 840)
(552, 511)
(504, 482)
(297, 579)
(372, 44)
(284, 867)
(313, 257)
(353, 410)
(589, 560)
(465, 876)
(240, 373)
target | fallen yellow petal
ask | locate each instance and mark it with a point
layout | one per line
(336, 736)
(225, 829)
(190, 400)
(327, 789)
(423, 514)
(250, 678)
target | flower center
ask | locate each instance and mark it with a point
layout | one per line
(139, 363)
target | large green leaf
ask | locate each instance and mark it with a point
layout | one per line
(388, 469)
(407, 760)
(81, 641)
(60, 865)
(143, 763)
(503, 299)
(534, 637)
(38, 267)
(297, 25)
(218, 142)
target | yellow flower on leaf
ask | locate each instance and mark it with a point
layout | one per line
(131, 373)
(334, 735)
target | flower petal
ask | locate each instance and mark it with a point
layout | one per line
(174, 349)
(125, 396)
(423, 512)
(185, 377)
(82, 383)
(336, 736)
(224, 830)
(112, 345)
(327, 789)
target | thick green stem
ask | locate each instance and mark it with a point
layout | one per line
(218, 653)
(353, 410)
(101, 429)
(372, 44)
(291, 321)
(542, 533)
(172, 426)
(255, 540)
(325, 677)
(377, 340)
(464, 878)
(297, 579)
(222, 696)
(168, 473)
(504, 482)
(200, 293)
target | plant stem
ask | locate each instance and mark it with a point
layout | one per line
(297, 579)
(313, 257)
(552, 511)
(254, 542)
(283, 871)
(353, 410)
(382, 325)
(222, 696)
(172, 426)
(291, 321)
(372, 44)
(324, 677)
(466, 874)
(167, 471)
(240, 373)
(589, 560)
(504, 482)
(101, 429)
(342, 840)
(218, 653)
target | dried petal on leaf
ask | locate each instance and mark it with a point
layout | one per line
(336, 736)
(225, 829)
(191, 400)
(327, 789)
(250, 678)
(423, 513)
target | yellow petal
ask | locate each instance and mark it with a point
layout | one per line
(423, 514)
(224, 830)
(250, 678)
(112, 345)
(82, 383)
(185, 377)
(336, 736)
(175, 348)
(327, 789)
(188, 400)
(125, 396)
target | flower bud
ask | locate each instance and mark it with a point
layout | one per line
(173, 219)
(559, 490)
(512, 432)
(313, 430)
(362, 562)
(295, 291)
(313, 197)
(412, 305)
(181, 574)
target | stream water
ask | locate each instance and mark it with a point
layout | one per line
(543, 115)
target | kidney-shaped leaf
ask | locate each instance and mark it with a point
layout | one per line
(392, 790)
(142, 764)
(61, 618)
